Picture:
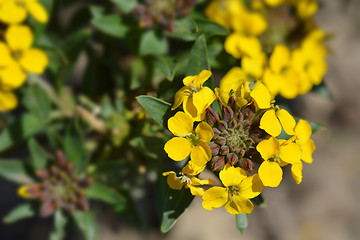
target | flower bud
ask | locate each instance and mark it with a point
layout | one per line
(250, 142)
(222, 125)
(212, 117)
(224, 150)
(218, 163)
(42, 174)
(232, 159)
(46, 209)
(227, 113)
(241, 153)
(246, 164)
(232, 123)
(231, 102)
(214, 148)
(239, 116)
(60, 159)
(221, 141)
(216, 133)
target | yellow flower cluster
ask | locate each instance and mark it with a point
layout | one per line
(289, 62)
(241, 139)
(17, 56)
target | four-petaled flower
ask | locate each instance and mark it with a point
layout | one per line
(239, 188)
(15, 11)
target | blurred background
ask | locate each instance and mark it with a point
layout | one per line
(323, 206)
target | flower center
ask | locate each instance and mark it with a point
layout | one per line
(16, 54)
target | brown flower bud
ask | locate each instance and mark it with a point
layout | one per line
(214, 148)
(46, 209)
(216, 133)
(227, 113)
(246, 164)
(239, 116)
(232, 147)
(241, 153)
(60, 159)
(212, 117)
(224, 150)
(85, 182)
(232, 123)
(42, 174)
(222, 125)
(218, 163)
(221, 141)
(250, 142)
(231, 102)
(232, 159)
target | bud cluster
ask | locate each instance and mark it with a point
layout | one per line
(162, 12)
(59, 187)
(236, 134)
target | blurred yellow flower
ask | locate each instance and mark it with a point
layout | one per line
(239, 188)
(15, 11)
(194, 96)
(188, 141)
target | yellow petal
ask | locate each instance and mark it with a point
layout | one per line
(11, 13)
(8, 101)
(231, 45)
(254, 66)
(201, 78)
(196, 191)
(195, 181)
(180, 95)
(203, 99)
(19, 37)
(272, 81)
(190, 109)
(287, 121)
(268, 148)
(255, 24)
(178, 148)
(204, 131)
(234, 78)
(273, 3)
(239, 204)
(200, 154)
(214, 197)
(290, 153)
(261, 95)
(223, 96)
(307, 150)
(302, 131)
(270, 123)
(5, 55)
(280, 58)
(12, 76)
(270, 173)
(251, 186)
(191, 169)
(180, 124)
(173, 181)
(34, 61)
(232, 176)
(37, 11)
(296, 171)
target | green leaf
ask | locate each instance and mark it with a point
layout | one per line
(209, 28)
(74, 44)
(323, 91)
(38, 102)
(199, 59)
(60, 222)
(106, 194)
(241, 222)
(39, 156)
(125, 5)
(184, 29)
(153, 43)
(176, 204)
(110, 25)
(159, 110)
(15, 171)
(25, 126)
(167, 66)
(316, 127)
(74, 147)
(87, 224)
(96, 11)
(21, 211)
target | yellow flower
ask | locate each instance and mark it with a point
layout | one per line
(234, 81)
(273, 151)
(188, 141)
(188, 178)
(254, 66)
(15, 11)
(306, 8)
(194, 96)
(8, 101)
(239, 188)
(239, 45)
(273, 3)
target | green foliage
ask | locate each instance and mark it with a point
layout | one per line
(60, 222)
(106, 194)
(15, 171)
(38, 155)
(22, 211)
(159, 110)
(125, 5)
(87, 224)
(154, 43)
(110, 25)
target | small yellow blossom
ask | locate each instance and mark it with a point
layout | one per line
(188, 141)
(306, 8)
(8, 101)
(273, 151)
(194, 97)
(188, 178)
(15, 11)
(239, 188)
(239, 45)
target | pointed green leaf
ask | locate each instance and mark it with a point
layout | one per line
(60, 222)
(167, 66)
(21, 211)
(241, 222)
(153, 43)
(15, 171)
(23, 127)
(125, 5)
(159, 110)
(87, 224)
(176, 203)
(209, 28)
(74, 147)
(110, 25)
(106, 194)
(38, 102)
(39, 156)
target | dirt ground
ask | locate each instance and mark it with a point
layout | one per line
(326, 204)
